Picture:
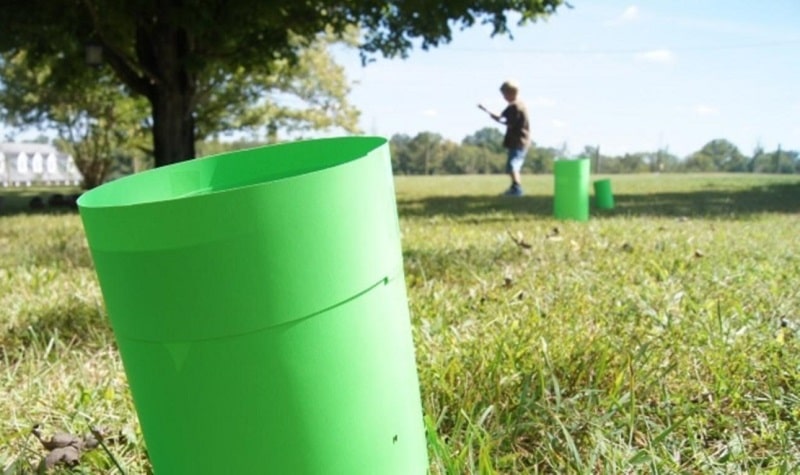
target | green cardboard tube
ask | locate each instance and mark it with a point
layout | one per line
(259, 305)
(603, 198)
(571, 196)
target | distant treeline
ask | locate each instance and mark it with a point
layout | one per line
(429, 153)
(482, 152)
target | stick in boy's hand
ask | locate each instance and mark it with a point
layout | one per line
(491, 114)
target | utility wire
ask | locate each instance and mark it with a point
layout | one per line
(766, 44)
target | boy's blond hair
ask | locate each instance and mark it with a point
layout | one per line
(510, 86)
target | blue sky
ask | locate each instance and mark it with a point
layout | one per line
(625, 76)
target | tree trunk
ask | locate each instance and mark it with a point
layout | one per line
(173, 126)
(164, 50)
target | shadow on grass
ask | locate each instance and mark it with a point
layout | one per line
(14, 201)
(777, 198)
(74, 323)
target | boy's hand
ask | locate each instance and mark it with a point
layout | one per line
(491, 114)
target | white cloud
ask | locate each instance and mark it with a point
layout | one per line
(430, 112)
(705, 110)
(541, 101)
(630, 14)
(663, 56)
(558, 123)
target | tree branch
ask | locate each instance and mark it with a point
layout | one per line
(118, 60)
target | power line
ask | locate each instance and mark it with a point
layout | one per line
(765, 44)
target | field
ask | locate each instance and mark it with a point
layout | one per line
(658, 337)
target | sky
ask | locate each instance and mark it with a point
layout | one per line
(627, 77)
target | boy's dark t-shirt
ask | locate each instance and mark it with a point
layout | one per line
(517, 126)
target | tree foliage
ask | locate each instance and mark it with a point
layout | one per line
(478, 153)
(779, 161)
(489, 138)
(294, 98)
(99, 122)
(171, 51)
(94, 119)
(718, 155)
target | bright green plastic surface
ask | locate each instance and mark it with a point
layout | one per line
(603, 198)
(571, 196)
(259, 305)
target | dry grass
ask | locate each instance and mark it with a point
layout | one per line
(655, 338)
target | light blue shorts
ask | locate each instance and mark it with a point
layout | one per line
(516, 157)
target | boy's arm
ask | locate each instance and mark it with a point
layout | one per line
(491, 114)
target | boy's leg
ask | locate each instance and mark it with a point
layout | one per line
(516, 157)
(516, 179)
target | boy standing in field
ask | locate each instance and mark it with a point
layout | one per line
(517, 138)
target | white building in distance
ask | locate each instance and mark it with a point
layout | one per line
(34, 164)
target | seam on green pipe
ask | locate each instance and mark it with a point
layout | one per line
(384, 281)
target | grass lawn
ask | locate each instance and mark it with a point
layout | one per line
(658, 337)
